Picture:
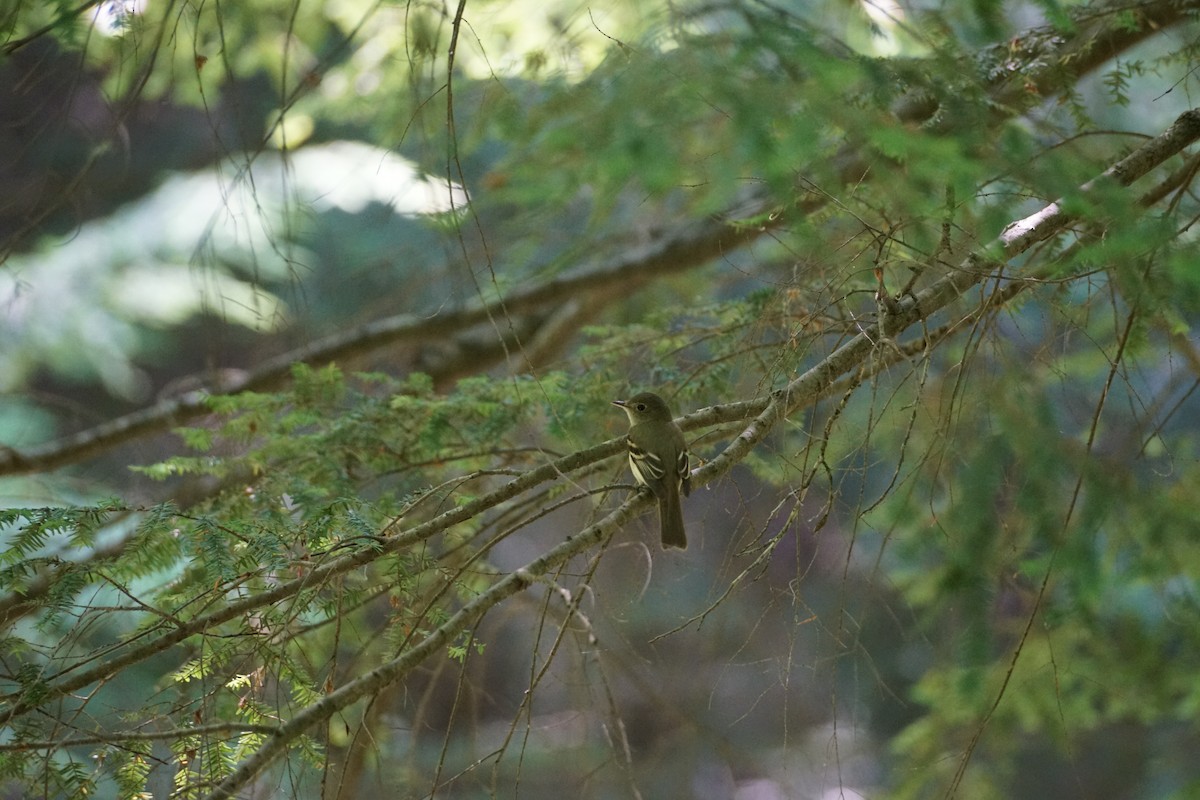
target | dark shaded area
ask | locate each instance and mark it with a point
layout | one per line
(69, 154)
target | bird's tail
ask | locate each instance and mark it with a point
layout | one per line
(670, 518)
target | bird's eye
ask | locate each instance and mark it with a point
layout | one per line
(641, 406)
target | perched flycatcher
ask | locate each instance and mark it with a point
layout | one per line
(658, 459)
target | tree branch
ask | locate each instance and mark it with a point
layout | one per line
(1066, 58)
(802, 391)
(1017, 238)
(684, 249)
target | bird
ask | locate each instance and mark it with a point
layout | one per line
(658, 458)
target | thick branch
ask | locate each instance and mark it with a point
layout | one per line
(1103, 31)
(685, 249)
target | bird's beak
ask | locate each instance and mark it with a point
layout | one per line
(620, 403)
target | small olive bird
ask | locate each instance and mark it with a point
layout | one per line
(658, 458)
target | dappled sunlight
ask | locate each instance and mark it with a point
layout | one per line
(208, 242)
